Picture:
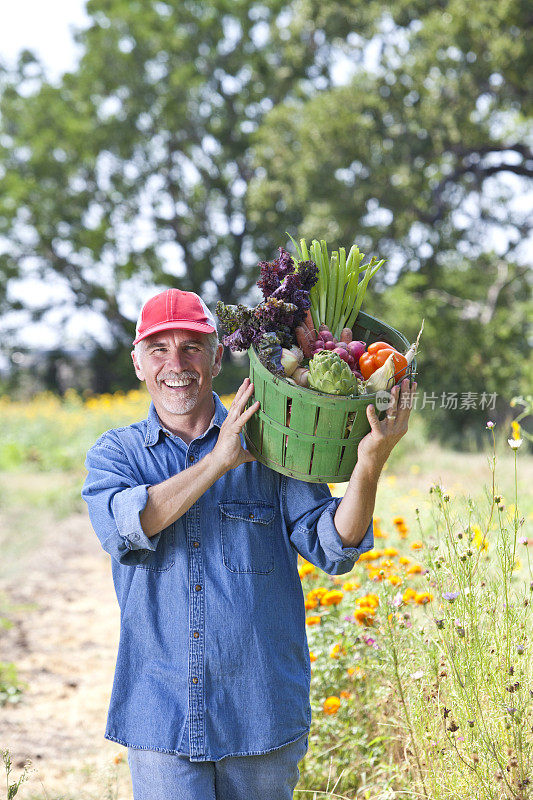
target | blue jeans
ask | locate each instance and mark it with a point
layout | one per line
(163, 776)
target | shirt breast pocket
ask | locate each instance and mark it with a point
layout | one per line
(247, 536)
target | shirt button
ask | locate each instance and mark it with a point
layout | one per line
(191, 457)
(196, 544)
(195, 680)
(251, 515)
(196, 634)
(198, 588)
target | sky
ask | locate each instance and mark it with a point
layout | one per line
(47, 28)
(44, 26)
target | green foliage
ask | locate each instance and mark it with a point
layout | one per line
(459, 352)
(10, 687)
(152, 129)
(193, 135)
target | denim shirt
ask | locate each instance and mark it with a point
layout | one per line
(213, 658)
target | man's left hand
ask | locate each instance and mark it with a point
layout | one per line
(375, 448)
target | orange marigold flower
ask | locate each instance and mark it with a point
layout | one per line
(118, 758)
(404, 560)
(313, 621)
(371, 600)
(316, 594)
(371, 555)
(332, 598)
(398, 520)
(331, 705)
(416, 569)
(306, 569)
(423, 597)
(345, 695)
(364, 615)
(310, 603)
(417, 546)
(395, 580)
(350, 670)
(312, 656)
(408, 595)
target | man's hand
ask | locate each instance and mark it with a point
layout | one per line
(228, 452)
(375, 448)
(357, 506)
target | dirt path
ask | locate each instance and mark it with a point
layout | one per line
(64, 645)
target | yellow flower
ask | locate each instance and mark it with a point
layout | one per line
(408, 595)
(332, 598)
(312, 656)
(404, 560)
(390, 551)
(423, 597)
(479, 540)
(350, 671)
(118, 758)
(417, 546)
(345, 695)
(351, 585)
(336, 651)
(416, 569)
(331, 705)
(516, 430)
(313, 621)
(399, 521)
(395, 580)
(517, 565)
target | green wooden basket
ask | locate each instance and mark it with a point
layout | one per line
(310, 435)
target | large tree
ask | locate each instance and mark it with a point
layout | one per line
(134, 168)
(427, 160)
(192, 135)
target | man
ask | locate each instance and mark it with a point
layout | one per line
(211, 689)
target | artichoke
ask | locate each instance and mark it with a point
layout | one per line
(330, 374)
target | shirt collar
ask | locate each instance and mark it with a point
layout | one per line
(154, 428)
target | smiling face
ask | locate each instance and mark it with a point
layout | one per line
(178, 368)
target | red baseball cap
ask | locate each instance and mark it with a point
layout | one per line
(174, 309)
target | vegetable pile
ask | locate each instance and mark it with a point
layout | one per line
(302, 330)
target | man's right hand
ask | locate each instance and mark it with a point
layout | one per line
(228, 452)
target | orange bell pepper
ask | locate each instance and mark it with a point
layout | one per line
(375, 356)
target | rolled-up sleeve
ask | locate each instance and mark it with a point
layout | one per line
(115, 501)
(309, 511)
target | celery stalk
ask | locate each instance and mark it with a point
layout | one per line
(332, 299)
(341, 286)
